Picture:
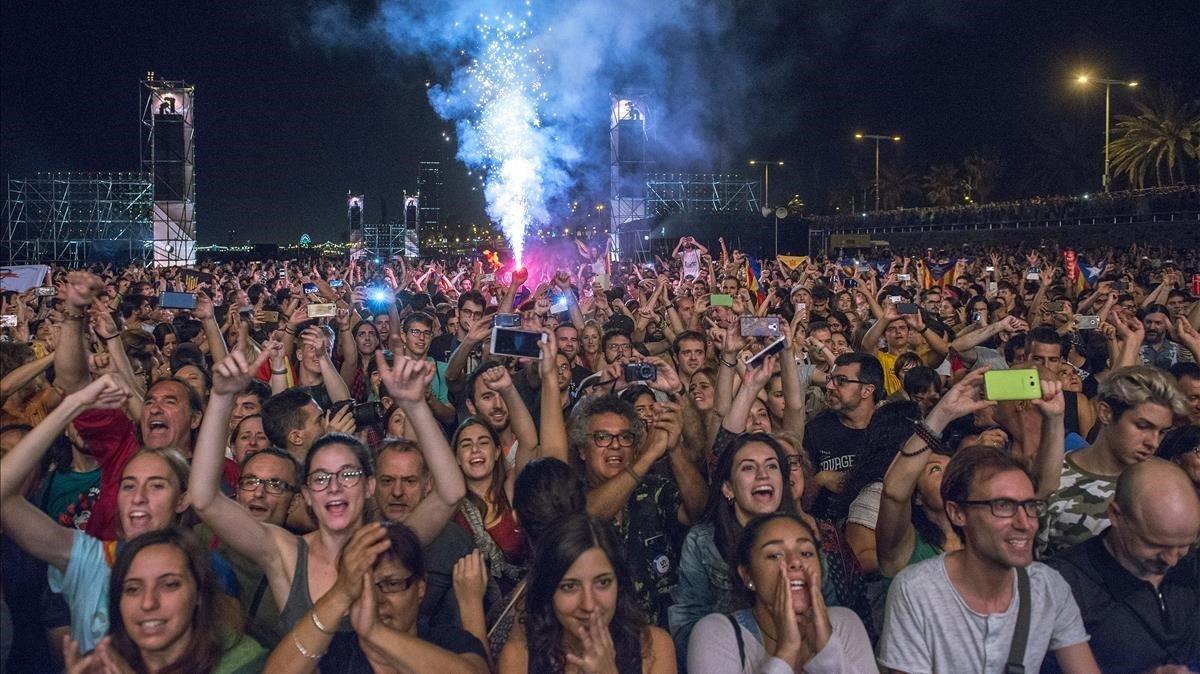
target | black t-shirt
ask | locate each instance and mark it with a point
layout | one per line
(443, 346)
(831, 446)
(345, 655)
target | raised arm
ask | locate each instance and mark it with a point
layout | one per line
(794, 413)
(212, 332)
(256, 540)
(498, 379)
(895, 537)
(870, 340)
(23, 374)
(553, 431)
(70, 356)
(476, 333)
(31, 529)
(754, 381)
(1048, 462)
(345, 340)
(406, 381)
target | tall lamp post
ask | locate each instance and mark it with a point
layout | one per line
(1085, 79)
(876, 137)
(767, 211)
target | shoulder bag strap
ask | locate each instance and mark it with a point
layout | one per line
(1016, 654)
(737, 632)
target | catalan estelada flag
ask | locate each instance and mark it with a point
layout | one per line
(753, 271)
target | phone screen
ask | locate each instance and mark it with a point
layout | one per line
(770, 350)
(518, 343)
(172, 300)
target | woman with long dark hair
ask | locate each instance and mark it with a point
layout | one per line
(582, 613)
(750, 481)
(779, 573)
(168, 614)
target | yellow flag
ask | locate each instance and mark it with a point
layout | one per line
(792, 261)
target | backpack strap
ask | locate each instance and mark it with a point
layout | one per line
(737, 633)
(1016, 654)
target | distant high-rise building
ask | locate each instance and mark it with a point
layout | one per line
(429, 186)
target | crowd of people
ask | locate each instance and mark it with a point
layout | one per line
(1144, 202)
(694, 464)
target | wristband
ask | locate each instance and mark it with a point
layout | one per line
(274, 371)
(722, 361)
(111, 337)
(303, 650)
(931, 439)
(633, 473)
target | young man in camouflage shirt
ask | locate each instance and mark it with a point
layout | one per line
(1136, 406)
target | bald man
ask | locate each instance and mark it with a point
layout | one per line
(1138, 583)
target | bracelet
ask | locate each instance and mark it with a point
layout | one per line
(303, 651)
(72, 317)
(290, 331)
(721, 360)
(633, 473)
(284, 371)
(317, 621)
(931, 439)
(110, 337)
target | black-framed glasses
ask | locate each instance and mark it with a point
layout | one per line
(839, 380)
(273, 485)
(417, 332)
(1006, 507)
(621, 348)
(606, 439)
(393, 584)
(347, 477)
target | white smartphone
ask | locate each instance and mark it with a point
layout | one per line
(322, 310)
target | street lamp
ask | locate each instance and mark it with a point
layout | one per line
(767, 211)
(876, 138)
(1086, 79)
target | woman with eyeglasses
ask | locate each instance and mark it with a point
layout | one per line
(581, 610)
(168, 614)
(788, 627)
(336, 484)
(380, 583)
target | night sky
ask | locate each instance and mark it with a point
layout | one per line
(285, 125)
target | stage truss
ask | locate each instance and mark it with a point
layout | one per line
(670, 193)
(168, 152)
(384, 240)
(74, 218)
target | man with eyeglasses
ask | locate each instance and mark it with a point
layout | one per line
(617, 346)
(836, 436)
(646, 507)
(470, 309)
(416, 336)
(268, 483)
(402, 481)
(1138, 583)
(959, 612)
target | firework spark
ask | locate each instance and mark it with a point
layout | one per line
(503, 137)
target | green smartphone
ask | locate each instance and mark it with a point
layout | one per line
(717, 300)
(1012, 385)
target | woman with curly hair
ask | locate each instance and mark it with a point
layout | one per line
(582, 613)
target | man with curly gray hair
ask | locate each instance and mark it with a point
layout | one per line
(617, 453)
(1135, 406)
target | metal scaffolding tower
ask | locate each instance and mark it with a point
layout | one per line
(168, 150)
(74, 218)
(386, 239)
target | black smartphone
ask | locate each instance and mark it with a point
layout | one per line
(769, 350)
(173, 300)
(516, 343)
(907, 308)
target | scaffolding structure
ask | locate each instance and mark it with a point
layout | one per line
(168, 154)
(75, 218)
(630, 130)
(671, 193)
(384, 240)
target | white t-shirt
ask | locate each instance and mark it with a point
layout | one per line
(691, 262)
(929, 629)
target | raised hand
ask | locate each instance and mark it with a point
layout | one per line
(666, 379)
(81, 289)
(1052, 404)
(315, 339)
(965, 397)
(107, 392)
(405, 379)
(358, 557)
(548, 360)
(497, 379)
(204, 307)
(234, 372)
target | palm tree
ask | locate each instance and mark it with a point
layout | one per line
(981, 175)
(1165, 132)
(943, 185)
(896, 184)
